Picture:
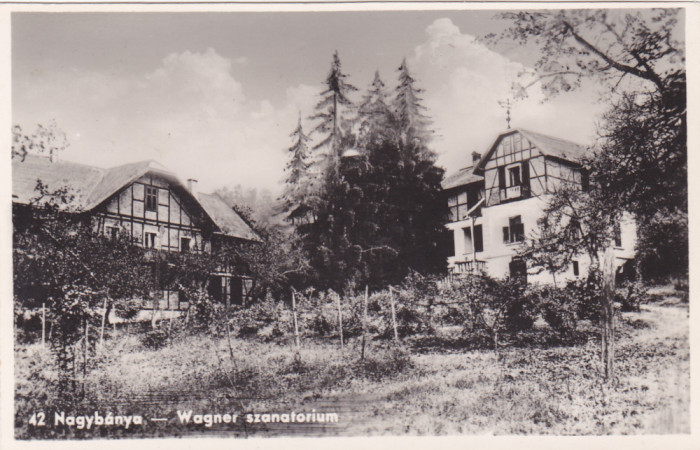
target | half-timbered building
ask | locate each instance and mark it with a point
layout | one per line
(497, 200)
(148, 202)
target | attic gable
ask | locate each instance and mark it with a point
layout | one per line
(93, 186)
(544, 144)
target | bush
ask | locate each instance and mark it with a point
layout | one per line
(630, 295)
(558, 308)
(520, 312)
(586, 294)
(267, 320)
(155, 339)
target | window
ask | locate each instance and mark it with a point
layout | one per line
(618, 234)
(112, 232)
(514, 232)
(184, 244)
(575, 267)
(458, 206)
(478, 239)
(151, 198)
(514, 176)
(149, 240)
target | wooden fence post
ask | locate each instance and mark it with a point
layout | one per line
(340, 319)
(294, 315)
(43, 324)
(364, 321)
(608, 322)
(86, 349)
(102, 327)
(393, 314)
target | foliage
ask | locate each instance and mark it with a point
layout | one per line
(380, 212)
(45, 139)
(298, 186)
(255, 206)
(60, 260)
(333, 124)
(606, 45)
(558, 307)
(573, 221)
(155, 339)
(640, 163)
(631, 294)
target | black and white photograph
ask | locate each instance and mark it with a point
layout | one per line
(370, 220)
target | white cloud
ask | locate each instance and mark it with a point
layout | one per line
(190, 114)
(463, 82)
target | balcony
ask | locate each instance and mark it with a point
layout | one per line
(469, 267)
(514, 193)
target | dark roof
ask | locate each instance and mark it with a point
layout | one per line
(463, 177)
(548, 145)
(90, 186)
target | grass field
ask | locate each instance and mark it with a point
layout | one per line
(428, 389)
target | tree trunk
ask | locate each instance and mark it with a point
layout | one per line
(608, 314)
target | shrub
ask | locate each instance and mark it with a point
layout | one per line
(155, 339)
(630, 295)
(267, 320)
(586, 293)
(558, 308)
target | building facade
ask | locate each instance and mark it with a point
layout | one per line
(150, 204)
(495, 204)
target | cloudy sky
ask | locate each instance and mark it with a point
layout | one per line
(215, 96)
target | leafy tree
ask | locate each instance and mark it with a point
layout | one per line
(45, 139)
(608, 45)
(640, 162)
(574, 222)
(60, 260)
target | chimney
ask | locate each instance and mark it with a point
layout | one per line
(476, 156)
(192, 185)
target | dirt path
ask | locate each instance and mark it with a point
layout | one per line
(668, 331)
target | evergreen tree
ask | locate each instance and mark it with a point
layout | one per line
(297, 182)
(374, 113)
(414, 125)
(329, 112)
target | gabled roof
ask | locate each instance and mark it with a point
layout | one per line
(463, 177)
(559, 148)
(117, 177)
(228, 221)
(90, 186)
(548, 145)
(79, 178)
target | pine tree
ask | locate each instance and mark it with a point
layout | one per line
(414, 125)
(374, 113)
(298, 186)
(329, 112)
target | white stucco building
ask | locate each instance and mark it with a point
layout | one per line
(496, 202)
